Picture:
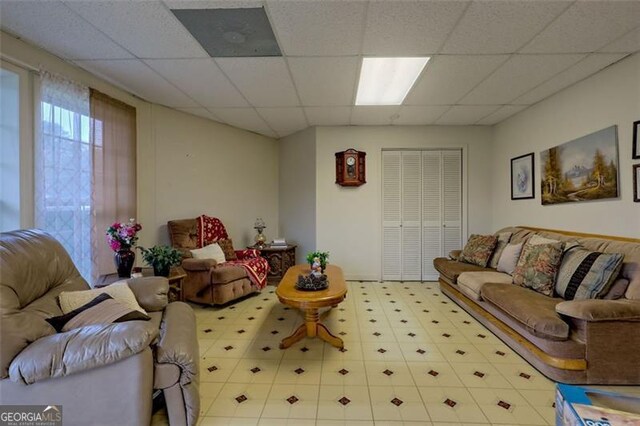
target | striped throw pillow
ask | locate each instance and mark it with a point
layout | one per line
(587, 274)
(102, 310)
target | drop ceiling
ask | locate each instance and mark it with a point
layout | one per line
(490, 59)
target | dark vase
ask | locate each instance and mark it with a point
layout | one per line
(124, 260)
(161, 271)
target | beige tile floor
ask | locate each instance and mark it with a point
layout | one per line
(411, 357)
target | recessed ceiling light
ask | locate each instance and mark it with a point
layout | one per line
(386, 81)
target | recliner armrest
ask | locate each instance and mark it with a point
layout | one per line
(601, 310)
(198, 264)
(454, 254)
(151, 292)
(81, 349)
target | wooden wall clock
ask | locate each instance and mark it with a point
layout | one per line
(350, 168)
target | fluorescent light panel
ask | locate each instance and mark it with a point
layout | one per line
(386, 81)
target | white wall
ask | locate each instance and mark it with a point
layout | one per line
(203, 167)
(297, 207)
(348, 220)
(186, 165)
(609, 97)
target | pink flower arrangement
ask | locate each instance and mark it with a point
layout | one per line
(122, 236)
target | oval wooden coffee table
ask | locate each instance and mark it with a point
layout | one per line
(310, 301)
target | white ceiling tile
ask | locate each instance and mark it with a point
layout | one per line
(138, 78)
(201, 79)
(284, 121)
(328, 116)
(587, 26)
(466, 114)
(419, 115)
(409, 27)
(325, 81)
(447, 78)
(501, 26)
(146, 28)
(583, 69)
(628, 43)
(518, 75)
(56, 28)
(200, 112)
(244, 118)
(265, 82)
(501, 114)
(374, 115)
(312, 28)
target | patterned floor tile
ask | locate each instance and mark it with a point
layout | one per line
(397, 403)
(254, 371)
(240, 400)
(216, 369)
(298, 372)
(506, 406)
(292, 401)
(454, 405)
(480, 375)
(344, 373)
(388, 373)
(344, 403)
(434, 374)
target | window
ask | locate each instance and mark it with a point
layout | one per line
(9, 150)
(63, 168)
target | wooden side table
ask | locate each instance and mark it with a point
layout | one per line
(280, 259)
(176, 278)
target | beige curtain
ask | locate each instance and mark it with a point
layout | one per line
(113, 137)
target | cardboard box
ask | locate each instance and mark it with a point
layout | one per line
(585, 406)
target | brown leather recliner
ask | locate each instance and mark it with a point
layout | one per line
(99, 374)
(207, 282)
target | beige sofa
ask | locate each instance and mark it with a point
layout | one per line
(100, 374)
(580, 341)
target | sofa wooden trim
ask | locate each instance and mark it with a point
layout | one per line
(581, 234)
(556, 362)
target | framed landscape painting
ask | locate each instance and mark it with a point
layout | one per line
(522, 177)
(581, 170)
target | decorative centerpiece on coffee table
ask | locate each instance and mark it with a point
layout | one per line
(121, 237)
(316, 280)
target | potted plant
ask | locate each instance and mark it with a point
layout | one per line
(161, 258)
(322, 256)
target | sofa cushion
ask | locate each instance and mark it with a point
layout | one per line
(478, 249)
(533, 310)
(509, 258)
(470, 283)
(537, 267)
(101, 310)
(586, 274)
(212, 251)
(120, 291)
(631, 271)
(183, 233)
(227, 247)
(617, 289)
(503, 240)
(451, 269)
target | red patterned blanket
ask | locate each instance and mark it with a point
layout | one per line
(257, 267)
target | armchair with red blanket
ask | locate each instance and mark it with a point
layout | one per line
(208, 281)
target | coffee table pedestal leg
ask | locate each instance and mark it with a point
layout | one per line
(312, 328)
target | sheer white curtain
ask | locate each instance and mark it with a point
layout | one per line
(63, 166)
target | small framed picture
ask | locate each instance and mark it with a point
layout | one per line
(636, 183)
(636, 139)
(522, 177)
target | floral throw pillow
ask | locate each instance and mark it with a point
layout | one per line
(478, 249)
(538, 266)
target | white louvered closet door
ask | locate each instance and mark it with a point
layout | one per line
(432, 229)
(452, 199)
(411, 216)
(391, 216)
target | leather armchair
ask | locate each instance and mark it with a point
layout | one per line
(99, 374)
